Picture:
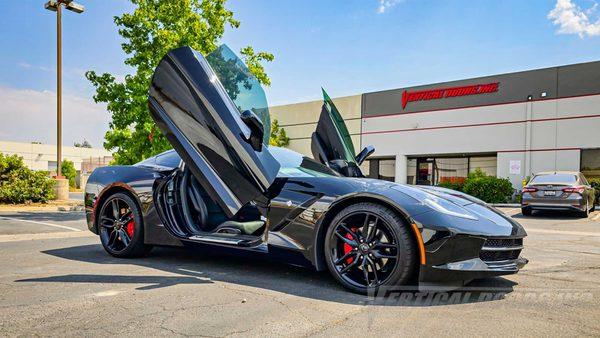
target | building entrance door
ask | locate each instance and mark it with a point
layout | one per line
(425, 172)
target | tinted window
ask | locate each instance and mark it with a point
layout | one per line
(294, 164)
(241, 86)
(555, 178)
(341, 128)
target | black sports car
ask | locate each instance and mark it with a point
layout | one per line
(223, 186)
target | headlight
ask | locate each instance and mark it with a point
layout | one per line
(436, 203)
(448, 208)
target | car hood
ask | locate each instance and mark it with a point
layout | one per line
(452, 209)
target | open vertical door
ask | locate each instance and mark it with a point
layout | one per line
(331, 143)
(222, 145)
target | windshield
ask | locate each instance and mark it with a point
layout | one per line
(294, 164)
(555, 178)
(241, 86)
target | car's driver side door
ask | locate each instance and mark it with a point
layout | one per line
(223, 148)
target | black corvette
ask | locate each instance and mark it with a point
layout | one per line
(223, 187)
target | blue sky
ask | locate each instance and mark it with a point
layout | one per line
(348, 47)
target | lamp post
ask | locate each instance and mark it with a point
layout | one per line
(56, 6)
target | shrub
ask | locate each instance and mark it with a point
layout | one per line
(597, 188)
(490, 189)
(452, 185)
(19, 184)
(67, 169)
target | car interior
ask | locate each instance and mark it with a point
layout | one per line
(194, 213)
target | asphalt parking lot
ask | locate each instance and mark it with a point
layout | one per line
(55, 279)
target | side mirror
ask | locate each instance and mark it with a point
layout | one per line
(366, 152)
(256, 129)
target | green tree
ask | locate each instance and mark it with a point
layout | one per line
(278, 136)
(154, 28)
(68, 170)
(83, 144)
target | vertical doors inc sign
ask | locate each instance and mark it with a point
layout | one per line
(445, 93)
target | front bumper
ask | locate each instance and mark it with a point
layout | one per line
(470, 269)
(458, 259)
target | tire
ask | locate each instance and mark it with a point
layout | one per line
(391, 235)
(585, 213)
(593, 207)
(110, 237)
(526, 211)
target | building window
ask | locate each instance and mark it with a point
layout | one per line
(487, 164)
(590, 163)
(447, 169)
(451, 170)
(380, 168)
(52, 166)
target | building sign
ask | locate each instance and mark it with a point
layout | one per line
(514, 167)
(444, 93)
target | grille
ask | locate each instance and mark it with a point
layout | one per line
(506, 249)
(491, 256)
(503, 242)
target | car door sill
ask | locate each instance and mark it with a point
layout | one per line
(215, 239)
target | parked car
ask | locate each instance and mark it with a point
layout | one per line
(558, 190)
(224, 188)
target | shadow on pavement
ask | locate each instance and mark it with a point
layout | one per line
(202, 266)
(559, 215)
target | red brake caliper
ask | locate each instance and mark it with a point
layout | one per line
(129, 227)
(348, 248)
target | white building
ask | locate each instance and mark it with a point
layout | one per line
(509, 125)
(43, 156)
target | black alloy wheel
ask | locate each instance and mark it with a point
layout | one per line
(368, 246)
(120, 226)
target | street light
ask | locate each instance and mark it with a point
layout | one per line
(56, 6)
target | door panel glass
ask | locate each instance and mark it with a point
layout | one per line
(425, 172)
(451, 170)
(382, 169)
(411, 171)
(241, 86)
(487, 164)
(347, 151)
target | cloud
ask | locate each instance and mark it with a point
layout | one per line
(26, 65)
(571, 19)
(30, 115)
(384, 5)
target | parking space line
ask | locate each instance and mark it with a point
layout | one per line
(564, 232)
(40, 223)
(47, 235)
